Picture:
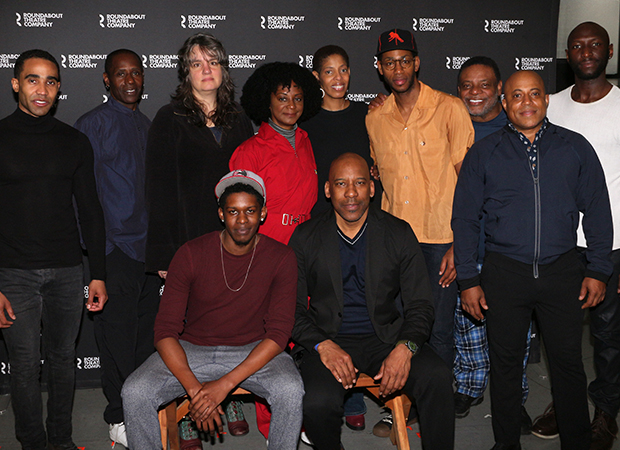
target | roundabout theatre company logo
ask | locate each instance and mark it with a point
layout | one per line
(160, 61)
(74, 61)
(7, 60)
(203, 22)
(501, 26)
(357, 23)
(119, 20)
(431, 24)
(532, 63)
(279, 22)
(36, 20)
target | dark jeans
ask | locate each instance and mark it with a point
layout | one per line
(605, 328)
(512, 294)
(48, 307)
(444, 301)
(124, 329)
(429, 384)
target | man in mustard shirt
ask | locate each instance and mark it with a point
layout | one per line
(418, 139)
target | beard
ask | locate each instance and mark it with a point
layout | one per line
(596, 72)
(487, 108)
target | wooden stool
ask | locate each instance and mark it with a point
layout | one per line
(399, 403)
(171, 415)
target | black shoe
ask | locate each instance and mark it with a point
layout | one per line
(463, 402)
(604, 430)
(70, 446)
(506, 447)
(526, 422)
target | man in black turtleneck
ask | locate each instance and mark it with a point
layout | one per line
(44, 164)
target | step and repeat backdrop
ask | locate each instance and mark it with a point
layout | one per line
(518, 35)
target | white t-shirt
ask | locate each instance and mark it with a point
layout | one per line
(599, 122)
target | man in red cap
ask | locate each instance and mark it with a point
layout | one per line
(418, 139)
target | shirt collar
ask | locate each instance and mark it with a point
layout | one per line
(539, 134)
(114, 104)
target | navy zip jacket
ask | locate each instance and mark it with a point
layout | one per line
(532, 220)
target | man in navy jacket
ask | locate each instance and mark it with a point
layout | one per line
(529, 181)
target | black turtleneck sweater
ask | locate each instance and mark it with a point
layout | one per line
(44, 163)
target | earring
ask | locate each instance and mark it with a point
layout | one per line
(107, 87)
(322, 93)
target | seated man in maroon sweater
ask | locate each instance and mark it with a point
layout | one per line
(224, 319)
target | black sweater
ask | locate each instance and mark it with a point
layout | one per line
(333, 133)
(44, 164)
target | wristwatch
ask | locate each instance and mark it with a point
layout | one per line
(412, 346)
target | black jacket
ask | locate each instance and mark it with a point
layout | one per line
(184, 162)
(532, 220)
(394, 263)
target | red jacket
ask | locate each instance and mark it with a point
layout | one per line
(289, 175)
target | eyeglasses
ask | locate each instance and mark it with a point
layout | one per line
(390, 64)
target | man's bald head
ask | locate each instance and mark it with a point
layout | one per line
(588, 29)
(345, 158)
(521, 77)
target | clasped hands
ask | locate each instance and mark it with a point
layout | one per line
(393, 373)
(205, 405)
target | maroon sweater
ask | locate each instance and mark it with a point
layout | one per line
(195, 291)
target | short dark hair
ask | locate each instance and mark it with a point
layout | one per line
(225, 112)
(120, 51)
(29, 54)
(321, 55)
(480, 61)
(256, 94)
(240, 187)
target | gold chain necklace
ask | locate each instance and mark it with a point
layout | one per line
(224, 270)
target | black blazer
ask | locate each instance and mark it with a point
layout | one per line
(394, 264)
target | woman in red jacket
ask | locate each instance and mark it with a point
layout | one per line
(277, 96)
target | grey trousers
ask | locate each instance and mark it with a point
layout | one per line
(152, 385)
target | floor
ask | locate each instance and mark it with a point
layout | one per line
(472, 432)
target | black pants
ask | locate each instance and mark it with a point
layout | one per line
(512, 294)
(124, 329)
(605, 328)
(429, 384)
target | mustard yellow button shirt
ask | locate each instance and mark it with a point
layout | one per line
(417, 159)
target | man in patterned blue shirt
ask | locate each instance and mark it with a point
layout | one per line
(530, 181)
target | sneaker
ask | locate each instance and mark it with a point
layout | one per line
(5, 401)
(545, 426)
(118, 435)
(188, 435)
(237, 425)
(604, 430)
(383, 428)
(526, 422)
(463, 403)
(305, 439)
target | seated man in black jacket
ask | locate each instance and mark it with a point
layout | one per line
(353, 262)
(530, 180)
